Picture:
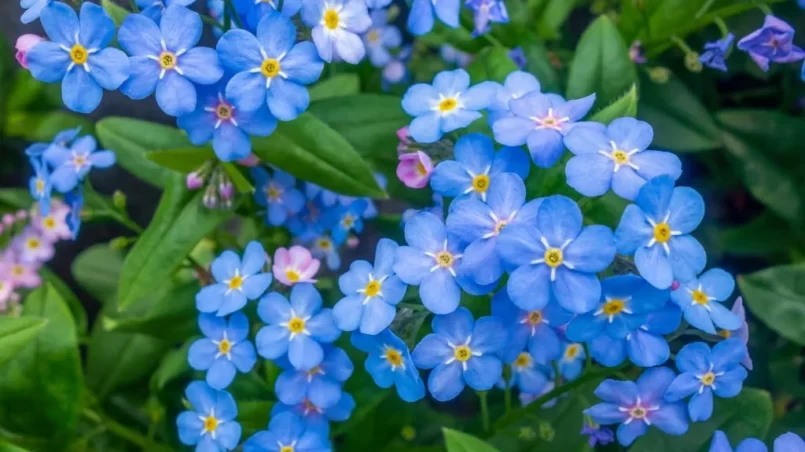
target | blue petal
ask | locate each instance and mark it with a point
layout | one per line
(181, 28)
(410, 387)
(384, 258)
(276, 34)
(694, 358)
(512, 131)
(608, 351)
(324, 43)
(481, 260)
(657, 163)
(419, 99)
(458, 119)
(201, 354)
(655, 197)
(590, 174)
(606, 413)
(48, 62)
(723, 317)
(322, 326)
(239, 51)
(228, 435)
(201, 397)
(686, 210)
(221, 374)
(671, 419)
(175, 94)
(109, 67)
(190, 427)
(682, 386)
(647, 350)
(469, 221)
(653, 383)
(717, 283)
(457, 325)
(687, 257)
(305, 300)
(507, 193)
(586, 327)
(286, 99)
(244, 356)
(629, 134)
(234, 301)
(304, 352)
(274, 309)
(80, 92)
(489, 335)
(209, 298)
(576, 291)
(731, 383)
(412, 265)
(450, 83)
(628, 433)
(431, 351)
(559, 219)
(448, 11)
(426, 128)
(483, 372)
(229, 142)
(272, 341)
(511, 160)
(592, 251)
(143, 77)
(439, 292)
(60, 23)
(476, 152)
(247, 91)
(633, 231)
(302, 64)
(201, 66)
(529, 286)
(377, 316)
(727, 354)
(655, 266)
(420, 18)
(356, 278)
(626, 183)
(587, 141)
(259, 122)
(575, 109)
(446, 381)
(96, 28)
(518, 244)
(480, 96)
(788, 441)
(256, 285)
(544, 345)
(700, 406)
(348, 312)
(324, 393)
(140, 36)
(620, 393)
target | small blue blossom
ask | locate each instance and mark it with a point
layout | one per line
(637, 405)
(420, 17)
(270, 68)
(211, 426)
(336, 25)
(278, 193)
(461, 351)
(772, 43)
(701, 301)
(371, 293)
(297, 328)
(40, 185)
(396, 70)
(321, 384)
(344, 219)
(704, 372)
(556, 258)
(518, 56)
(656, 230)
(255, 11)
(447, 105)
(374, 4)
(380, 38)
(71, 166)
(317, 418)
(225, 349)
(572, 361)
(287, 431)
(597, 434)
(452, 55)
(716, 52)
(487, 11)
(742, 332)
(475, 167)
(236, 281)
(541, 121)
(327, 198)
(526, 374)
(616, 158)
(78, 56)
(33, 9)
(153, 9)
(63, 139)
(516, 85)
(389, 363)
(787, 442)
(324, 247)
(75, 200)
(306, 224)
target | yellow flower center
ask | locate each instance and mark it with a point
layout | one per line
(572, 351)
(500, 225)
(17, 270)
(447, 105)
(49, 222)
(79, 160)
(420, 169)
(79, 54)
(292, 275)
(224, 346)
(324, 244)
(534, 317)
(167, 60)
(394, 357)
(613, 307)
(662, 232)
(700, 297)
(726, 334)
(331, 19)
(40, 185)
(372, 288)
(462, 353)
(33, 243)
(296, 325)
(553, 257)
(236, 282)
(523, 360)
(444, 259)
(638, 412)
(373, 36)
(273, 193)
(620, 157)
(286, 449)
(549, 122)
(270, 67)
(708, 379)
(210, 423)
(480, 183)
(347, 221)
(223, 111)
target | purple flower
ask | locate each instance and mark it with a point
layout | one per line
(715, 53)
(772, 42)
(636, 53)
(518, 56)
(742, 332)
(487, 11)
(597, 434)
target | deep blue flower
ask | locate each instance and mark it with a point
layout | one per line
(40, 185)
(33, 8)
(572, 361)
(216, 119)
(288, 432)
(656, 230)
(389, 363)
(518, 56)
(742, 332)
(336, 25)
(77, 55)
(153, 9)
(556, 257)
(254, 11)
(63, 139)
(701, 301)
(318, 418)
(278, 193)
(308, 223)
(224, 350)
(787, 442)
(447, 105)
(461, 351)
(344, 219)
(703, 372)
(636, 405)
(321, 384)
(324, 247)
(431, 261)
(597, 434)
(374, 4)
(480, 225)
(371, 293)
(616, 158)
(716, 52)
(211, 426)
(327, 198)
(75, 200)
(380, 38)
(541, 121)
(71, 166)
(516, 85)
(420, 17)
(772, 43)
(527, 374)
(297, 328)
(475, 166)
(236, 281)
(487, 11)
(270, 68)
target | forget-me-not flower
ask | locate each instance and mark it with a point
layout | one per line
(33, 9)
(318, 418)
(716, 52)
(75, 200)
(71, 166)
(153, 9)
(321, 384)
(224, 350)
(323, 246)
(571, 363)
(40, 185)
(389, 363)
(211, 426)
(236, 281)
(516, 85)
(255, 10)
(78, 56)
(336, 25)
(343, 219)
(701, 301)
(420, 17)
(278, 193)
(742, 332)
(487, 11)
(772, 43)
(380, 37)
(787, 442)
(526, 374)
(287, 432)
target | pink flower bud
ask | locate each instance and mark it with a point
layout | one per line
(8, 219)
(674, 285)
(402, 135)
(22, 214)
(414, 169)
(194, 181)
(24, 44)
(295, 265)
(226, 190)
(251, 160)
(353, 242)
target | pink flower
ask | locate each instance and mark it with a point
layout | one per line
(414, 169)
(295, 265)
(53, 227)
(404, 138)
(251, 160)
(17, 273)
(31, 247)
(193, 181)
(24, 44)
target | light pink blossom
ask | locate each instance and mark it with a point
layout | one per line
(414, 169)
(295, 265)
(24, 44)
(19, 274)
(405, 140)
(31, 247)
(53, 227)
(251, 160)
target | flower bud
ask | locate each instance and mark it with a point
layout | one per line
(226, 190)
(119, 200)
(674, 285)
(414, 169)
(194, 181)
(659, 75)
(692, 62)
(251, 160)
(24, 44)
(210, 199)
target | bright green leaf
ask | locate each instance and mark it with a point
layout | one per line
(171, 314)
(97, 270)
(16, 333)
(538, 62)
(24, 90)
(339, 85)
(117, 12)
(241, 183)
(456, 441)
(553, 16)
(36, 126)
(492, 64)
(75, 305)
(777, 297)
(173, 366)
(183, 160)
(626, 105)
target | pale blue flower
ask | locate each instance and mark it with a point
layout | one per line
(336, 26)
(421, 15)
(211, 425)
(236, 281)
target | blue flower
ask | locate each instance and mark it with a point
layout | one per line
(321, 384)
(461, 351)
(328, 198)
(165, 59)
(77, 55)
(63, 139)
(396, 70)
(447, 105)
(772, 43)
(224, 351)
(71, 166)
(656, 230)
(255, 11)
(516, 85)
(75, 200)
(716, 52)
(636, 405)
(153, 9)
(742, 332)
(616, 158)
(556, 257)
(336, 25)
(475, 166)
(296, 328)
(704, 371)
(211, 426)
(420, 17)
(236, 281)
(572, 361)
(487, 11)
(532, 329)
(381, 37)
(270, 68)
(452, 55)
(597, 434)
(541, 121)
(787, 442)
(701, 301)
(518, 56)
(371, 293)
(374, 4)
(317, 418)
(287, 431)
(324, 247)
(33, 8)
(40, 185)
(526, 374)
(481, 224)
(343, 219)
(278, 194)
(389, 363)
(216, 119)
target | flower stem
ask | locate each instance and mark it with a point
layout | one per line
(232, 14)
(493, 40)
(484, 409)
(681, 44)
(765, 8)
(704, 9)
(507, 393)
(211, 21)
(134, 7)
(721, 26)
(123, 432)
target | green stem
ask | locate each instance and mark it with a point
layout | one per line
(721, 26)
(484, 409)
(233, 14)
(211, 21)
(507, 393)
(704, 9)
(116, 216)
(557, 377)
(124, 432)
(493, 40)
(681, 44)
(765, 8)
(134, 7)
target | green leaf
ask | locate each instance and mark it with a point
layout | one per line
(492, 64)
(553, 16)
(41, 388)
(179, 223)
(764, 235)
(312, 151)
(75, 305)
(184, 160)
(16, 333)
(747, 415)
(456, 441)
(777, 297)
(171, 314)
(15, 198)
(680, 121)
(601, 64)
(626, 105)
(173, 366)
(339, 85)
(538, 62)
(97, 270)
(36, 126)
(241, 183)
(117, 12)
(25, 90)
(133, 139)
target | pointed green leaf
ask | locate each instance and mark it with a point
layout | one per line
(777, 297)
(117, 12)
(456, 441)
(97, 270)
(183, 160)
(16, 333)
(626, 105)
(339, 85)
